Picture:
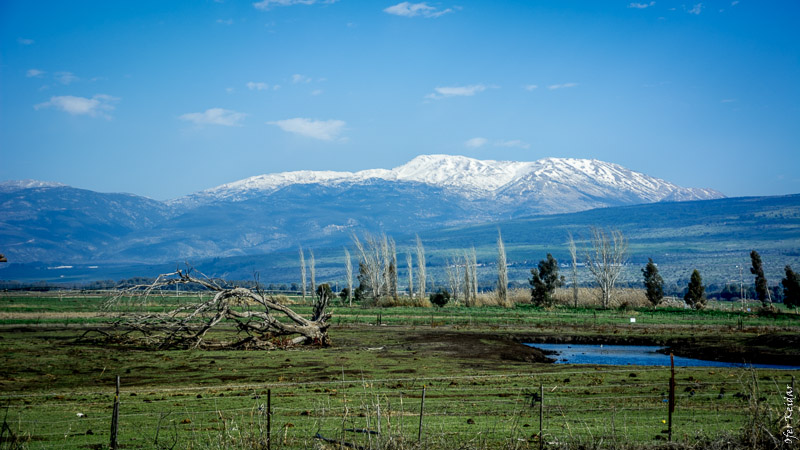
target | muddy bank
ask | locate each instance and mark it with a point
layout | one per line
(772, 348)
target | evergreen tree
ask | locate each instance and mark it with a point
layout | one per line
(544, 281)
(653, 283)
(761, 280)
(364, 286)
(696, 292)
(791, 288)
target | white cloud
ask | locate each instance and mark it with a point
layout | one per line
(641, 5)
(24, 41)
(225, 21)
(316, 92)
(728, 100)
(297, 78)
(407, 9)
(34, 73)
(97, 106)
(215, 116)
(324, 130)
(553, 87)
(265, 5)
(530, 87)
(512, 143)
(697, 9)
(65, 77)
(476, 142)
(253, 86)
(456, 91)
(735, 2)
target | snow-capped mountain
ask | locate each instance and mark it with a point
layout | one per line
(42, 221)
(479, 180)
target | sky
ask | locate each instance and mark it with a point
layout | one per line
(165, 98)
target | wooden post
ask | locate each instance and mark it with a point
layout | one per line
(421, 410)
(671, 395)
(541, 416)
(115, 418)
(269, 418)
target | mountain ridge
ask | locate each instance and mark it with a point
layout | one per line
(42, 221)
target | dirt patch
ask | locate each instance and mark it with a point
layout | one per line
(487, 347)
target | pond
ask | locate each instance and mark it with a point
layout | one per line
(638, 355)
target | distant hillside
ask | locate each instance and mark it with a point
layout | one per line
(713, 236)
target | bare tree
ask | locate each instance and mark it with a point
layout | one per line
(312, 265)
(303, 272)
(474, 273)
(469, 300)
(573, 252)
(605, 259)
(421, 276)
(410, 263)
(348, 267)
(373, 259)
(502, 271)
(251, 311)
(393, 269)
(452, 270)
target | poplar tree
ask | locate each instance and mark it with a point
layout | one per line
(762, 291)
(653, 283)
(696, 292)
(791, 288)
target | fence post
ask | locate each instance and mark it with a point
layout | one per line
(541, 416)
(671, 395)
(115, 418)
(269, 418)
(421, 409)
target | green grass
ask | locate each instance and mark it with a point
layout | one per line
(474, 397)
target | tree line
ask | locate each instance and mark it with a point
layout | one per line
(605, 256)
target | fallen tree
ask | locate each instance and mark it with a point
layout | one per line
(251, 312)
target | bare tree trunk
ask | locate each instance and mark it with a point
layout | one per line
(605, 260)
(421, 276)
(312, 266)
(468, 298)
(251, 310)
(410, 263)
(348, 267)
(393, 269)
(453, 273)
(474, 275)
(303, 272)
(502, 272)
(573, 252)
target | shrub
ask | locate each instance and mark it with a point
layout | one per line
(440, 298)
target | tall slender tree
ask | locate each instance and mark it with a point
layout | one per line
(653, 283)
(761, 281)
(313, 269)
(502, 271)
(696, 292)
(421, 268)
(573, 253)
(348, 267)
(410, 263)
(791, 288)
(303, 273)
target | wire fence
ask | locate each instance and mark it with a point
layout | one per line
(470, 411)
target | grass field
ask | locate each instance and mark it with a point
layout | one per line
(478, 380)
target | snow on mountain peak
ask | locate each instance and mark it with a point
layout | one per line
(473, 178)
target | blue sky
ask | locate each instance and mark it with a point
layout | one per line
(166, 98)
